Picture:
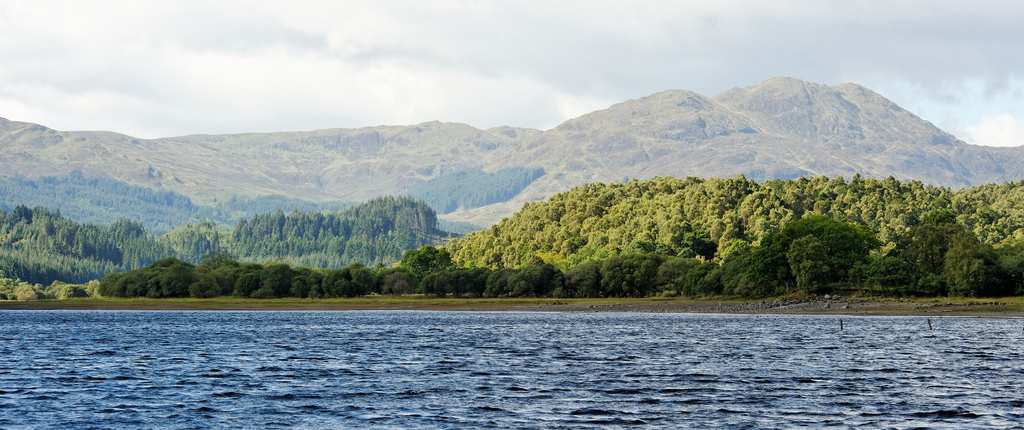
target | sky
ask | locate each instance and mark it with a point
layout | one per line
(154, 69)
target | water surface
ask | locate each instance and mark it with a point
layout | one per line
(123, 369)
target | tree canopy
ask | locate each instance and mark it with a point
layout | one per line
(705, 217)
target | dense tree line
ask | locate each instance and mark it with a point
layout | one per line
(38, 245)
(708, 217)
(15, 289)
(662, 236)
(427, 270)
(376, 232)
(813, 255)
(236, 208)
(473, 188)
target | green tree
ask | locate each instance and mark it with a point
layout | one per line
(275, 281)
(397, 281)
(1011, 258)
(808, 261)
(891, 275)
(424, 260)
(630, 276)
(248, 281)
(536, 280)
(972, 269)
(840, 247)
(584, 280)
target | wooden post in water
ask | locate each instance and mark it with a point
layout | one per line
(840, 325)
(929, 324)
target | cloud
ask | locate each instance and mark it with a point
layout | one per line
(161, 68)
(999, 130)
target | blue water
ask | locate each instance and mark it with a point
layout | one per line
(65, 369)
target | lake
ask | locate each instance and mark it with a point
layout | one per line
(412, 369)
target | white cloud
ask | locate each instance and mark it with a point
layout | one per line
(999, 130)
(153, 68)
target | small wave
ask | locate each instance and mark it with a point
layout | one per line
(615, 421)
(292, 396)
(310, 358)
(598, 412)
(215, 375)
(624, 391)
(946, 413)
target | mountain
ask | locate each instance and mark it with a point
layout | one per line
(709, 217)
(780, 128)
(101, 200)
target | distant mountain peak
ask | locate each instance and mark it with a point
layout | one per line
(782, 127)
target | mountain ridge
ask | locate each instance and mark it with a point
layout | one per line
(780, 128)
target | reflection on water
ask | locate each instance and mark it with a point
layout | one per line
(500, 370)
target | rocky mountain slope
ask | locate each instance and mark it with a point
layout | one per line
(780, 128)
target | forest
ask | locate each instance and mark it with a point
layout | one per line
(42, 246)
(663, 236)
(473, 188)
(376, 232)
(813, 255)
(709, 217)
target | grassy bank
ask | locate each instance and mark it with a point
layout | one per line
(1011, 306)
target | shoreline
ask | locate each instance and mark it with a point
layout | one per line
(1012, 307)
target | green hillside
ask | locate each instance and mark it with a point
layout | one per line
(100, 200)
(37, 245)
(690, 217)
(474, 188)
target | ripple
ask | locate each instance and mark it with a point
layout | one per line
(946, 413)
(500, 370)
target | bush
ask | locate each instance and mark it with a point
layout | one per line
(28, 292)
(62, 291)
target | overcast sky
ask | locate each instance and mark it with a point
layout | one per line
(181, 67)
